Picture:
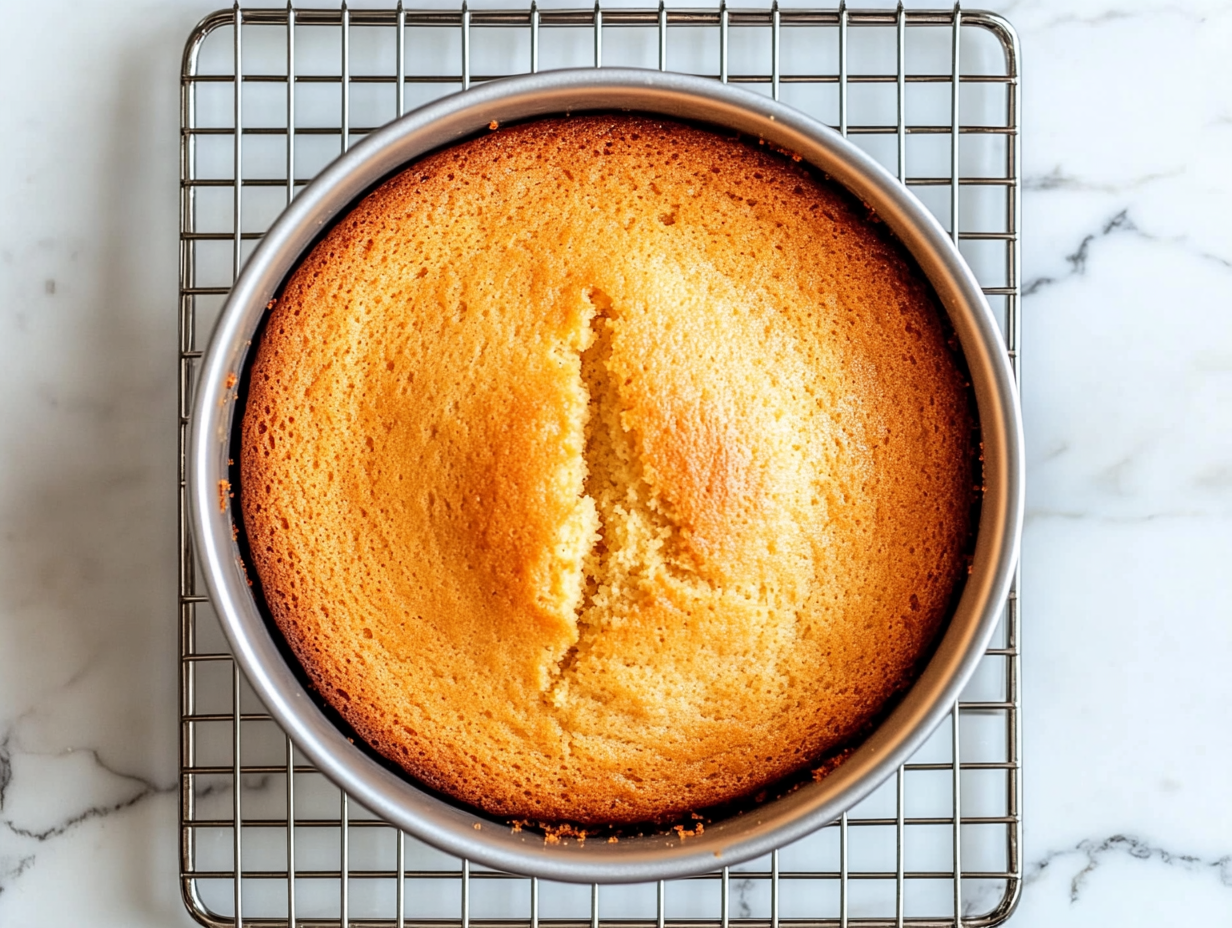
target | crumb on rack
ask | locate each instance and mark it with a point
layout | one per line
(494, 125)
(272, 303)
(517, 824)
(232, 380)
(478, 826)
(686, 833)
(613, 840)
(224, 494)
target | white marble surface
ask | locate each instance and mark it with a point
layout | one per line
(1127, 337)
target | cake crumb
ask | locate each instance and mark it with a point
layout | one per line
(831, 764)
(686, 833)
(224, 493)
(613, 840)
(272, 303)
(553, 833)
(478, 826)
(232, 380)
(494, 125)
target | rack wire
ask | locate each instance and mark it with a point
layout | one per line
(268, 97)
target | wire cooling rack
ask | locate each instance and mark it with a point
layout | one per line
(271, 96)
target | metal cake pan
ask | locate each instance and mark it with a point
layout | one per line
(451, 827)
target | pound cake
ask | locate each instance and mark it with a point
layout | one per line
(602, 469)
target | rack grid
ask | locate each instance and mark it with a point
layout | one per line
(265, 839)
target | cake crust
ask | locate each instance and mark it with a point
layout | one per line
(605, 468)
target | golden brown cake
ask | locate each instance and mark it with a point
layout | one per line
(602, 469)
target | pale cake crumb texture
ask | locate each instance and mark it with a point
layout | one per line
(601, 469)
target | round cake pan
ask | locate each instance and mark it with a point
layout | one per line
(463, 831)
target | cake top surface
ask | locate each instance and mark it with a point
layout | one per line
(601, 469)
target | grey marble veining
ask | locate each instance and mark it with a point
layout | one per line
(1127, 396)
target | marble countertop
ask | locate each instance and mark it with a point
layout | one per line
(1127, 341)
